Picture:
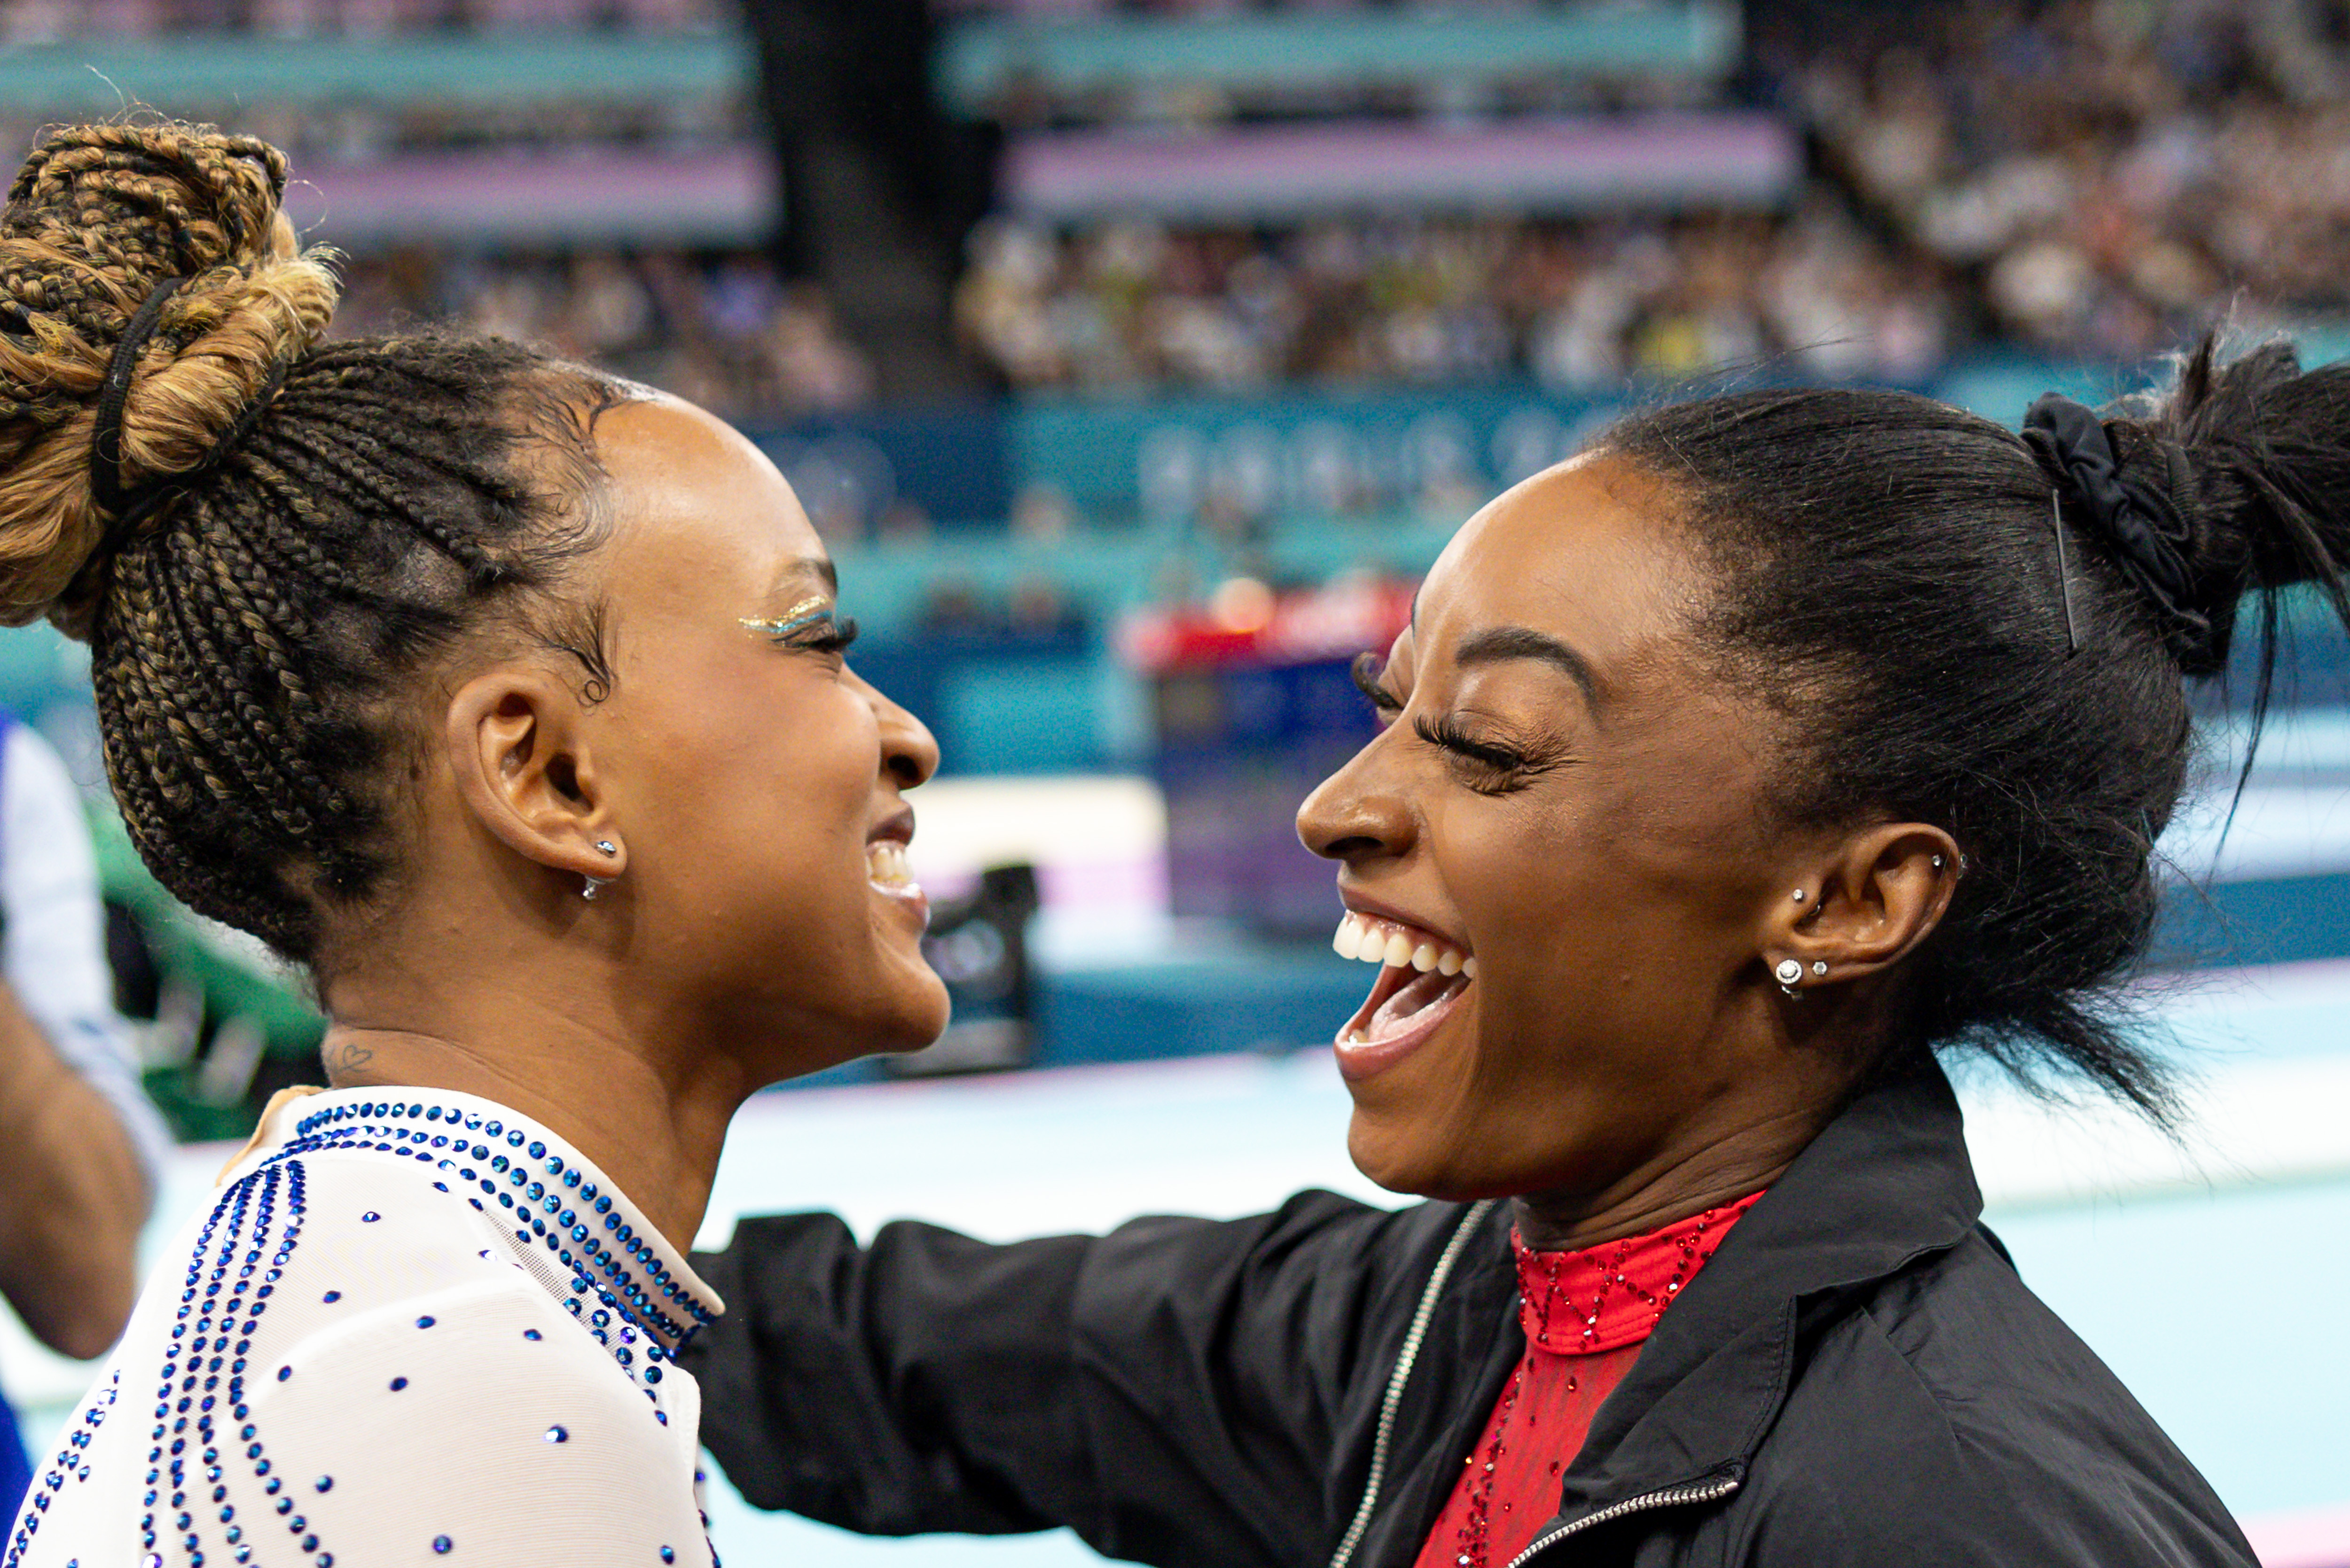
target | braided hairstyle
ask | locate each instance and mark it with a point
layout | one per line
(1951, 638)
(307, 526)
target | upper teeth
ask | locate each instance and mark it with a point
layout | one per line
(886, 864)
(1384, 942)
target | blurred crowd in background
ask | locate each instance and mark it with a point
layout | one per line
(2094, 177)
(2097, 178)
(2102, 175)
(721, 329)
(1572, 304)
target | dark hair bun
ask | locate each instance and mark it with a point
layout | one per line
(2256, 455)
(97, 218)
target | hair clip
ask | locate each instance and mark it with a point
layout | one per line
(2063, 571)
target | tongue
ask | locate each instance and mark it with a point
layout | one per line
(1422, 993)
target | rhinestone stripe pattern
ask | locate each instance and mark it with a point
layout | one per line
(67, 1466)
(222, 1288)
(628, 1299)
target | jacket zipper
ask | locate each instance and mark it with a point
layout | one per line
(1670, 1497)
(1404, 1360)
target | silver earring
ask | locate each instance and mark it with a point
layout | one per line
(1937, 863)
(1799, 895)
(1819, 966)
(595, 885)
(1788, 972)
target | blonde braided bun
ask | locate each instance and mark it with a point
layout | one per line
(97, 218)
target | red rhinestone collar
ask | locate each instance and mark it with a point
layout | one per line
(1599, 1298)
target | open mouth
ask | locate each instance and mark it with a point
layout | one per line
(890, 875)
(886, 867)
(1421, 980)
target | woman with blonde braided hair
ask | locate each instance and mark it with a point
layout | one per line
(511, 701)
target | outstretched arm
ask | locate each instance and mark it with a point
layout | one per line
(1179, 1392)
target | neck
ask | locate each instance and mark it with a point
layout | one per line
(1670, 1188)
(654, 1130)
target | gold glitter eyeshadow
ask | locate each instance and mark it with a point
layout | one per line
(807, 612)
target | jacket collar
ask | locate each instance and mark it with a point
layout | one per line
(1884, 1183)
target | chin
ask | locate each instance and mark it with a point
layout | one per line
(1426, 1162)
(917, 1025)
(1389, 1157)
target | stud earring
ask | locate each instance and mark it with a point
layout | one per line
(595, 885)
(1937, 863)
(1788, 972)
(1819, 966)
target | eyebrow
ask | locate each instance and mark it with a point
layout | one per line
(1504, 642)
(816, 567)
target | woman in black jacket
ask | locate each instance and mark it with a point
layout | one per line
(1778, 743)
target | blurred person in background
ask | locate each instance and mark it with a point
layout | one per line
(81, 1149)
(512, 700)
(1734, 774)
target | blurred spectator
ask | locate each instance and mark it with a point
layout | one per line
(2099, 178)
(1446, 301)
(719, 328)
(2108, 175)
(80, 1148)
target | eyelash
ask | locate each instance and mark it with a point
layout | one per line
(1507, 769)
(1366, 671)
(818, 634)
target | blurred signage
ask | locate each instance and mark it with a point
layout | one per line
(1244, 622)
(1173, 459)
(1282, 174)
(853, 470)
(1253, 704)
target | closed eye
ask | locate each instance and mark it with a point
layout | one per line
(1450, 737)
(834, 636)
(821, 631)
(1368, 671)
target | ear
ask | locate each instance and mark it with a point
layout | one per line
(517, 742)
(1881, 893)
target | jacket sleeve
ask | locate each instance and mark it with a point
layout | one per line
(1179, 1392)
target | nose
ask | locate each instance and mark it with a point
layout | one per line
(910, 752)
(1356, 815)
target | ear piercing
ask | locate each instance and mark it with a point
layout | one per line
(595, 885)
(1937, 863)
(1789, 974)
(1799, 895)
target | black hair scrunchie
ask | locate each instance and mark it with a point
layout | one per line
(2143, 525)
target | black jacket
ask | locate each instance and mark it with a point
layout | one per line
(1856, 1377)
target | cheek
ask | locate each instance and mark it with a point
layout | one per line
(1607, 935)
(1602, 891)
(764, 784)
